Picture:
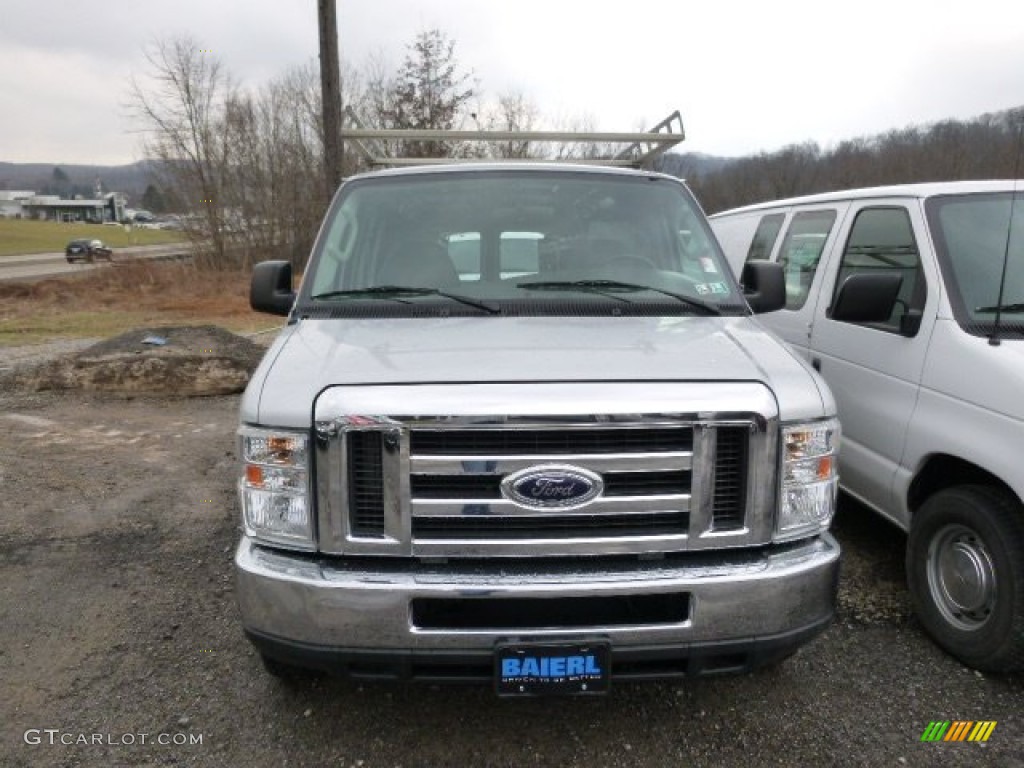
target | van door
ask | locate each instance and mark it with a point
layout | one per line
(810, 233)
(873, 369)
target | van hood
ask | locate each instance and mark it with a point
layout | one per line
(313, 355)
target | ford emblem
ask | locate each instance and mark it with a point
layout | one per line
(552, 486)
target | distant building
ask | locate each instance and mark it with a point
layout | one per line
(11, 201)
(110, 207)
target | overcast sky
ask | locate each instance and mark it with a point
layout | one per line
(746, 76)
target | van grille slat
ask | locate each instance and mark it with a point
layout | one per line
(555, 442)
(366, 483)
(552, 526)
(489, 486)
(730, 478)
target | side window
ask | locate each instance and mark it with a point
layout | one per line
(339, 244)
(764, 238)
(882, 240)
(801, 252)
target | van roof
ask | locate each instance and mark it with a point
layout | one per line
(927, 189)
(519, 167)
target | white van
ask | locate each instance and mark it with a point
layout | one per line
(908, 300)
(523, 428)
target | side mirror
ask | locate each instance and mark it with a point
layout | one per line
(764, 285)
(271, 288)
(867, 298)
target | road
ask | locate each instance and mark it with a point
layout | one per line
(118, 628)
(39, 265)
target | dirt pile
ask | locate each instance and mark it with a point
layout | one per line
(184, 361)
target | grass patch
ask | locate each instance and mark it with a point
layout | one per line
(66, 325)
(106, 302)
(19, 236)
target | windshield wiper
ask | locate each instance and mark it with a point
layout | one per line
(605, 287)
(587, 286)
(1001, 308)
(396, 292)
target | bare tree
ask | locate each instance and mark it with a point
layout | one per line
(369, 98)
(248, 164)
(581, 151)
(181, 108)
(278, 164)
(512, 112)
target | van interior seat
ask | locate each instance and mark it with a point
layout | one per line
(417, 264)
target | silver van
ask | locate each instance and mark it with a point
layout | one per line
(910, 302)
(523, 428)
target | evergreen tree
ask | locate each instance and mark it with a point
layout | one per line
(153, 200)
(430, 92)
(60, 183)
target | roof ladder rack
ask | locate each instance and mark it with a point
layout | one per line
(643, 147)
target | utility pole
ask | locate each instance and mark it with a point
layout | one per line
(330, 91)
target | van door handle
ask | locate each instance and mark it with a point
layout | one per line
(816, 364)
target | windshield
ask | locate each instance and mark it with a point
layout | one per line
(970, 233)
(519, 242)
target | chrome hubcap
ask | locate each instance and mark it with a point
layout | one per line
(961, 577)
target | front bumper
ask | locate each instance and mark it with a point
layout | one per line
(360, 616)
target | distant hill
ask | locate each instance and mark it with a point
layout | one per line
(691, 165)
(130, 180)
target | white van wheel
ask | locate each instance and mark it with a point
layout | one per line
(961, 577)
(965, 569)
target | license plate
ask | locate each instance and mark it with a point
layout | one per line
(533, 670)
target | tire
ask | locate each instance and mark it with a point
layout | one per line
(965, 570)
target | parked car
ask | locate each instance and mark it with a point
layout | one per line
(908, 301)
(519, 429)
(87, 250)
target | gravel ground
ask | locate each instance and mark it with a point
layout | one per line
(120, 631)
(30, 354)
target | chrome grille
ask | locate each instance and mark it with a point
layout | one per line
(432, 486)
(456, 474)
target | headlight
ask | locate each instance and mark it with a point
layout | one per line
(810, 481)
(274, 487)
